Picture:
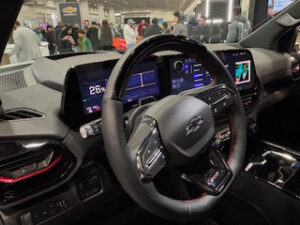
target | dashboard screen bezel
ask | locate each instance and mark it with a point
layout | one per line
(253, 70)
(168, 59)
(219, 54)
(72, 108)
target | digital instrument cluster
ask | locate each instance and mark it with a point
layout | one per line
(143, 83)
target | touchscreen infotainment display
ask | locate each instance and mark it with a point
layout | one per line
(243, 72)
(143, 83)
(188, 73)
(240, 64)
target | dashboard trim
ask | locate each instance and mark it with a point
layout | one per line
(15, 180)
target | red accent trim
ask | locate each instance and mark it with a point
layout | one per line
(15, 180)
(203, 195)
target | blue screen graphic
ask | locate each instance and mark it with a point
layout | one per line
(143, 84)
(193, 75)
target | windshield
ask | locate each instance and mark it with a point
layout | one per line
(46, 28)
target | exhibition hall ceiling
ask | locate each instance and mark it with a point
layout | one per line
(149, 4)
(132, 4)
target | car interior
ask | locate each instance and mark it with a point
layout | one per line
(171, 131)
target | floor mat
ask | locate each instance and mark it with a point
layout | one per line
(233, 210)
(136, 215)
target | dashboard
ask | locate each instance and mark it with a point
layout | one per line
(84, 85)
(151, 80)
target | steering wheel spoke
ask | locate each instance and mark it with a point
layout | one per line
(216, 178)
(146, 144)
(218, 97)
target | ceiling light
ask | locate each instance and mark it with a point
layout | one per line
(207, 8)
(215, 21)
(230, 8)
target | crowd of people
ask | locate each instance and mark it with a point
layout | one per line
(65, 38)
(68, 39)
(190, 26)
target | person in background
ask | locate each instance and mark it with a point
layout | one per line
(154, 29)
(193, 27)
(63, 28)
(92, 34)
(50, 37)
(224, 31)
(26, 44)
(119, 31)
(106, 36)
(66, 41)
(215, 34)
(111, 26)
(143, 26)
(85, 28)
(165, 28)
(39, 33)
(239, 28)
(84, 43)
(130, 33)
(76, 28)
(43, 30)
(204, 30)
(179, 28)
(58, 29)
(172, 29)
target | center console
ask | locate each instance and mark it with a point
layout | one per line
(278, 166)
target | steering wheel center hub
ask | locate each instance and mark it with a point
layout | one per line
(186, 125)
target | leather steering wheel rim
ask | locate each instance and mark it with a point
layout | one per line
(116, 146)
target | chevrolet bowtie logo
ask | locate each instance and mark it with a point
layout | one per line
(69, 10)
(194, 125)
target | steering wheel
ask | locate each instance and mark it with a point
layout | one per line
(176, 132)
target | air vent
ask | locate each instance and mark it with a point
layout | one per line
(294, 60)
(28, 167)
(23, 160)
(19, 114)
(296, 71)
(12, 81)
(249, 100)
